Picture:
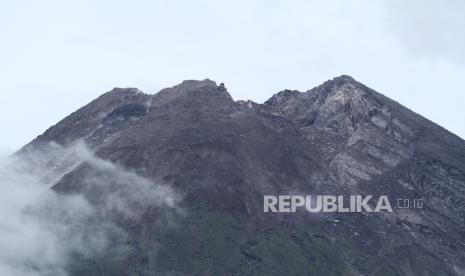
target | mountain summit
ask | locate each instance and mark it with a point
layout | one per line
(223, 156)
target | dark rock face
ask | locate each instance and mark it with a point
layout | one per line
(223, 156)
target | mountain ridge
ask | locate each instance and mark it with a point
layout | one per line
(223, 155)
(187, 85)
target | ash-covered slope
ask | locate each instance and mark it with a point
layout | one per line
(223, 156)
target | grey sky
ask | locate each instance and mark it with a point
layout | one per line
(58, 55)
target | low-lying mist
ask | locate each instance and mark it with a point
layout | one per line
(41, 229)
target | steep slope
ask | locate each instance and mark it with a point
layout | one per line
(373, 145)
(223, 156)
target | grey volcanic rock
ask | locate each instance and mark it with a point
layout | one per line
(224, 155)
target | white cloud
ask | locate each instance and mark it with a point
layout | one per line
(431, 28)
(40, 228)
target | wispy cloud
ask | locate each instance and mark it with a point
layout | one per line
(40, 228)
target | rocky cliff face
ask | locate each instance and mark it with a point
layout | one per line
(223, 155)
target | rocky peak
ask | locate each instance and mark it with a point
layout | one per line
(341, 89)
(193, 85)
(321, 105)
(342, 80)
(87, 119)
(189, 86)
(125, 91)
(202, 94)
(339, 104)
(351, 123)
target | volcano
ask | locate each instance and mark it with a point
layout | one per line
(222, 156)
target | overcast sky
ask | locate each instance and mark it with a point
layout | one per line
(56, 56)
